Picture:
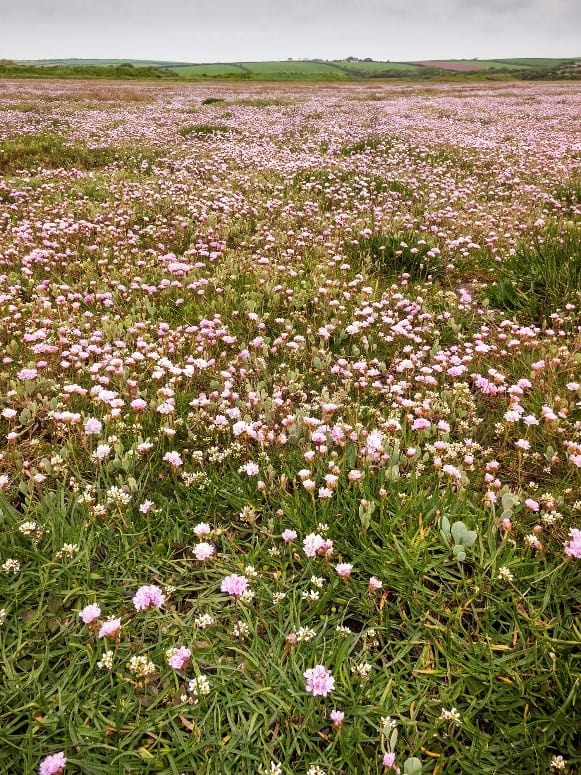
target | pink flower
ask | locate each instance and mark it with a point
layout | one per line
(179, 658)
(110, 628)
(312, 544)
(234, 585)
(319, 681)
(138, 404)
(102, 451)
(288, 536)
(522, 444)
(250, 468)
(53, 765)
(344, 569)
(573, 545)
(148, 596)
(203, 551)
(420, 424)
(174, 459)
(93, 427)
(25, 375)
(531, 504)
(202, 529)
(146, 507)
(337, 717)
(388, 759)
(90, 613)
(374, 584)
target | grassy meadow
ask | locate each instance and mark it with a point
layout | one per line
(290, 420)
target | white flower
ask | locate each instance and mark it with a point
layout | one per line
(106, 661)
(451, 715)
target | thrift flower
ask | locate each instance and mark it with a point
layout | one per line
(234, 585)
(174, 459)
(202, 529)
(90, 613)
(203, 551)
(344, 569)
(178, 658)
(319, 681)
(148, 596)
(110, 628)
(337, 717)
(93, 427)
(573, 545)
(53, 765)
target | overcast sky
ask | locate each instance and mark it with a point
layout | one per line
(247, 30)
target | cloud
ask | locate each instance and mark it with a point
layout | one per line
(234, 30)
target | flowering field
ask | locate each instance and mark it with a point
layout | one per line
(291, 428)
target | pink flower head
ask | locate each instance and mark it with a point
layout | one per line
(312, 544)
(179, 658)
(174, 459)
(344, 569)
(234, 585)
(337, 717)
(202, 529)
(288, 536)
(90, 613)
(110, 628)
(319, 681)
(148, 596)
(573, 545)
(531, 504)
(53, 765)
(203, 551)
(25, 375)
(388, 759)
(250, 469)
(93, 426)
(374, 584)
(138, 404)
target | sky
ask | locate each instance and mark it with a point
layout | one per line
(252, 30)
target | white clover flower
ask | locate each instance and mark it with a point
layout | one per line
(106, 661)
(305, 634)
(199, 687)
(141, 666)
(240, 630)
(451, 715)
(203, 621)
(10, 566)
(504, 574)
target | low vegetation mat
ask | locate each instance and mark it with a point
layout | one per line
(290, 421)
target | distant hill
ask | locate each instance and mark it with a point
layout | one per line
(297, 70)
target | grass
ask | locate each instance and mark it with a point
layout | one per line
(204, 130)
(541, 278)
(393, 254)
(50, 151)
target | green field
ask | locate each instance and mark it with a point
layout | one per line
(211, 69)
(290, 70)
